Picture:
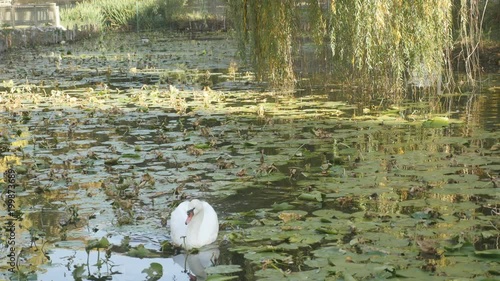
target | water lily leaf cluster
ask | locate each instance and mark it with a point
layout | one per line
(303, 185)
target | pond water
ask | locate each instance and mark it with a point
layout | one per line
(103, 138)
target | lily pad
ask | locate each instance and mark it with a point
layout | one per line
(312, 196)
(223, 269)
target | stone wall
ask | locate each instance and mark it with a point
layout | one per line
(5, 2)
(58, 2)
(33, 36)
(29, 15)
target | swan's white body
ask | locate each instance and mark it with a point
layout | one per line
(201, 229)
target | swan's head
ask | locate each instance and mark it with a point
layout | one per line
(194, 207)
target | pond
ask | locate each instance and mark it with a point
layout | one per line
(101, 139)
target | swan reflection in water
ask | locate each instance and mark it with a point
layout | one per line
(195, 264)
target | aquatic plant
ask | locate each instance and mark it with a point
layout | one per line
(308, 185)
(121, 15)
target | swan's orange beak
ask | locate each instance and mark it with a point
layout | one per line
(190, 214)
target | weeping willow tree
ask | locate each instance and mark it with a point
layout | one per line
(386, 45)
(265, 32)
(470, 19)
(391, 43)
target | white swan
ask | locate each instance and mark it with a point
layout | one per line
(193, 224)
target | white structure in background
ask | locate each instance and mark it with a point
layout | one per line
(16, 16)
(5, 3)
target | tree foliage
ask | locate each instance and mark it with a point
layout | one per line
(265, 29)
(393, 42)
(386, 45)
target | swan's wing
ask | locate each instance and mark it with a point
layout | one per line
(210, 224)
(178, 227)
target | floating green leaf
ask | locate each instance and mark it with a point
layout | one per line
(102, 243)
(492, 254)
(312, 196)
(154, 271)
(436, 122)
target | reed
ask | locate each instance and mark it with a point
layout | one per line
(83, 13)
(122, 14)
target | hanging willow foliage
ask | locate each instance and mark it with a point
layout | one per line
(394, 42)
(470, 19)
(385, 45)
(265, 29)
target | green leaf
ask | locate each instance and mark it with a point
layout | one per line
(140, 252)
(312, 196)
(223, 269)
(97, 244)
(436, 122)
(154, 271)
(78, 272)
(112, 161)
(326, 230)
(131, 155)
(282, 206)
(250, 144)
(219, 277)
(493, 253)
(202, 145)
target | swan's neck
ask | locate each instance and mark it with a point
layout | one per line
(194, 226)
